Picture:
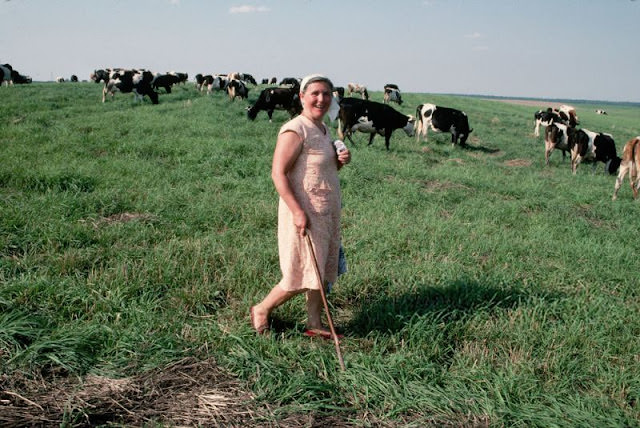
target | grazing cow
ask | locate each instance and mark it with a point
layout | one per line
(165, 81)
(358, 89)
(630, 164)
(556, 136)
(392, 93)
(5, 74)
(273, 81)
(545, 118)
(442, 119)
(265, 81)
(237, 89)
(373, 118)
(600, 111)
(593, 146)
(138, 82)
(18, 78)
(182, 77)
(100, 76)
(60, 79)
(291, 82)
(271, 99)
(73, 78)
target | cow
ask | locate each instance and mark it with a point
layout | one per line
(338, 93)
(237, 89)
(630, 164)
(165, 81)
(271, 99)
(273, 81)
(373, 118)
(600, 111)
(19, 79)
(568, 113)
(100, 75)
(138, 82)
(556, 136)
(182, 77)
(265, 81)
(545, 118)
(358, 89)
(291, 82)
(60, 79)
(564, 114)
(392, 93)
(592, 146)
(442, 119)
(5, 74)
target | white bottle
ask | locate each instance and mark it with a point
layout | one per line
(340, 146)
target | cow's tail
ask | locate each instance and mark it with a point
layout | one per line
(633, 171)
(470, 131)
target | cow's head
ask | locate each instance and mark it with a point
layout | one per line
(409, 128)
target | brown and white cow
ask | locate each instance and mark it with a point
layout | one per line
(556, 136)
(630, 164)
(358, 89)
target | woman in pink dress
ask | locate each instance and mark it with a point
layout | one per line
(305, 174)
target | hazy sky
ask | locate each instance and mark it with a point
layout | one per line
(565, 49)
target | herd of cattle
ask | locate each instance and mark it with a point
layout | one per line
(360, 114)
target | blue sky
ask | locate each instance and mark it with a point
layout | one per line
(562, 49)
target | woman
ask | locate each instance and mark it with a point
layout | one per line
(305, 174)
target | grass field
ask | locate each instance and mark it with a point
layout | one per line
(484, 289)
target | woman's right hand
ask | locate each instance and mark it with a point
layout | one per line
(300, 221)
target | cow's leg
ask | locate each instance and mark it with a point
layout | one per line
(270, 114)
(624, 168)
(387, 137)
(548, 148)
(536, 128)
(575, 160)
(371, 135)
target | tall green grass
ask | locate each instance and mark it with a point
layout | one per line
(483, 287)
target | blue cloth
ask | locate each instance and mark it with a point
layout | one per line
(342, 266)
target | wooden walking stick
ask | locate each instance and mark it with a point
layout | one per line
(324, 301)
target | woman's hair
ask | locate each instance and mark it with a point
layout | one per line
(314, 78)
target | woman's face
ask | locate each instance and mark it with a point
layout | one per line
(316, 100)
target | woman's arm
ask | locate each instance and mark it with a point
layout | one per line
(288, 148)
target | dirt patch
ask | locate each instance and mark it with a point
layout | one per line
(435, 185)
(530, 103)
(186, 393)
(518, 162)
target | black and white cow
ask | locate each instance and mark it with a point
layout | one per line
(565, 115)
(100, 75)
(373, 118)
(182, 77)
(545, 118)
(392, 93)
(165, 81)
(5, 74)
(556, 136)
(291, 82)
(19, 79)
(593, 146)
(442, 119)
(237, 89)
(630, 164)
(600, 111)
(271, 99)
(138, 82)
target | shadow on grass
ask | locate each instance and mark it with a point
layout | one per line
(390, 313)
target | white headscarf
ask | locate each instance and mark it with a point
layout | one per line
(334, 108)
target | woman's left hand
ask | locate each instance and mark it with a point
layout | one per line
(344, 157)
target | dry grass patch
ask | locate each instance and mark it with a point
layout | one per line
(518, 162)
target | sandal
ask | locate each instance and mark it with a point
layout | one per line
(261, 329)
(317, 332)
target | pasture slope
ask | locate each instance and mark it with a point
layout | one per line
(484, 289)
